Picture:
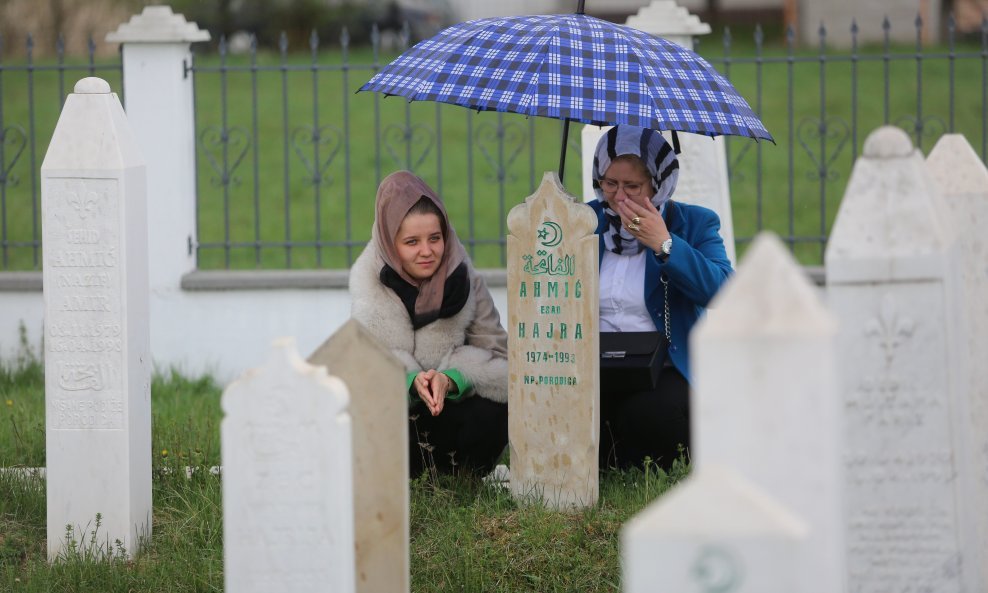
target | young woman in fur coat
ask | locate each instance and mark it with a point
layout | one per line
(415, 289)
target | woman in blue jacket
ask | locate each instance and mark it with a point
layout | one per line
(661, 262)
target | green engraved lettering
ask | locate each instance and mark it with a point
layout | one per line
(578, 289)
(535, 330)
(578, 334)
(552, 289)
(521, 329)
(562, 331)
(537, 292)
(523, 291)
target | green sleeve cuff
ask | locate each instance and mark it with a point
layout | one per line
(462, 387)
(413, 396)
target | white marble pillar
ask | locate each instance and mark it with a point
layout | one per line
(287, 479)
(765, 400)
(97, 361)
(891, 280)
(160, 106)
(962, 179)
(716, 532)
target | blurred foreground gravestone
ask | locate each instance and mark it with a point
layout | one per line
(963, 181)
(375, 380)
(765, 399)
(97, 361)
(891, 280)
(716, 532)
(553, 348)
(287, 479)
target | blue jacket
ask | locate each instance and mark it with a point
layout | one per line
(696, 268)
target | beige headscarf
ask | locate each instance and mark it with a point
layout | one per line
(396, 195)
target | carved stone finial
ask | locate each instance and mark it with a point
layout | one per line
(157, 24)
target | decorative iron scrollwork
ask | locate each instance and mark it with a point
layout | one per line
(306, 138)
(213, 140)
(510, 136)
(13, 140)
(410, 137)
(832, 130)
(919, 128)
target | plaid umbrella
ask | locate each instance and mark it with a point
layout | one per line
(570, 67)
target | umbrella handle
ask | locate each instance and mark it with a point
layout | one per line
(562, 151)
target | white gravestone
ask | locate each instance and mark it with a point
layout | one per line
(963, 181)
(287, 479)
(703, 161)
(553, 348)
(375, 380)
(715, 533)
(890, 280)
(765, 396)
(97, 364)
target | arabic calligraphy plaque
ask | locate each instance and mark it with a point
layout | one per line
(553, 349)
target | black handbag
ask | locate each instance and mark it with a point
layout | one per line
(631, 361)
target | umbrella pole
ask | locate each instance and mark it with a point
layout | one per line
(562, 151)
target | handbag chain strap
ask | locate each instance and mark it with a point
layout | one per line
(665, 306)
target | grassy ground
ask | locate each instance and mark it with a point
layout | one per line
(271, 196)
(465, 535)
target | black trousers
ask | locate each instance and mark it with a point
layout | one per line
(652, 424)
(467, 436)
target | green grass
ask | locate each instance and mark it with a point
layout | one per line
(466, 535)
(281, 202)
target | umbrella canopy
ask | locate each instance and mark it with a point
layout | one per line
(570, 67)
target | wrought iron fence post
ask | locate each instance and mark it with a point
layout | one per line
(160, 108)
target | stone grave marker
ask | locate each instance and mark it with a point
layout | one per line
(716, 532)
(553, 348)
(765, 397)
(703, 176)
(963, 182)
(894, 296)
(375, 380)
(287, 479)
(97, 362)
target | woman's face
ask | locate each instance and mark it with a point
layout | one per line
(420, 245)
(627, 180)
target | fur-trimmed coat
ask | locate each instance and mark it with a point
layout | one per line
(472, 341)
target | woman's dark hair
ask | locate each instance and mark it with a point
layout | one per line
(427, 206)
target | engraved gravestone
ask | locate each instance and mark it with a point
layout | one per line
(375, 380)
(715, 533)
(703, 176)
(553, 348)
(890, 280)
(765, 397)
(287, 479)
(963, 181)
(97, 363)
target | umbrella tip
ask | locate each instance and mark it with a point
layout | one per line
(675, 142)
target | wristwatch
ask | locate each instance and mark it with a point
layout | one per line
(666, 248)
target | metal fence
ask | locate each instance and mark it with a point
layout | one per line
(31, 98)
(289, 157)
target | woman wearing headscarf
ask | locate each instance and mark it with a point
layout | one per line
(415, 289)
(661, 262)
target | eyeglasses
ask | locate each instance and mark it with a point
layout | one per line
(632, 190)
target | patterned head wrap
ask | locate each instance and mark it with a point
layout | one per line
(660, 161)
